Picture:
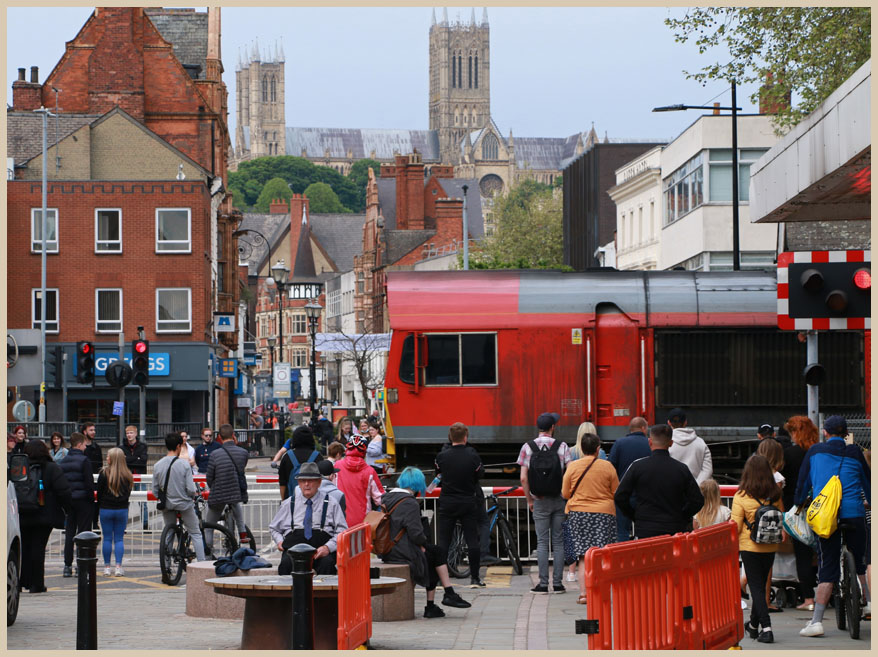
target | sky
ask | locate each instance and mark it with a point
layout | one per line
(554, 70)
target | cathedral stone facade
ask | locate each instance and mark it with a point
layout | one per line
(462, 132)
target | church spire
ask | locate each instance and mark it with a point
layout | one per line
(485, 16)
(472, 19)
(445, 15)
(433, 21)
(282, 56)
(254, 57)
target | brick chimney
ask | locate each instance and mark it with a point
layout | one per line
(26, 96)
(767, 106)
(449, 221)
(715, 109)
(409, 192)
(278, 206)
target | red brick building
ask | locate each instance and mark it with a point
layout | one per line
(141, 229)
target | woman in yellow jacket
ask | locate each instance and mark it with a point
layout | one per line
(589, 485)
(757, 487)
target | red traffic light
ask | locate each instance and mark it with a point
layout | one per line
(863, 279)
(140, 346)
(85, 348)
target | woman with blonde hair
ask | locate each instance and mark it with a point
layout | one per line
(585, 429)
(114, 488)
(713, 512)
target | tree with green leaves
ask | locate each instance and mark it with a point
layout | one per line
(804, 51)
(322, 199)
(528, 234)
(359, 176)
(276, 188)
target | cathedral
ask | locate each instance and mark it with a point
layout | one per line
(462, 132)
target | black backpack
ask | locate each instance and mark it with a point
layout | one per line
(545, 473)
(292, 482)
(767, 524)
(28, 481)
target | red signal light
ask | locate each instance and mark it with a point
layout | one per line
(86, 348)
(863, 279)
(139, 347)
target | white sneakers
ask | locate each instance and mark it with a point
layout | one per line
(119, 571)
(867, 611)
(571, 577)
(812, 629)
(107, 571)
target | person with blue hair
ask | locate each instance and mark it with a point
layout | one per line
(426, 561)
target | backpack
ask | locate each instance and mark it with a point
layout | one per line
(767, 524)
(28, 481)
(379, 525)
(291, 482)
(544, 474)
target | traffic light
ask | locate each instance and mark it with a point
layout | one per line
(140, 362)
(830, 289)
(54, 366)
(85, 362)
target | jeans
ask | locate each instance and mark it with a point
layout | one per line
(113, 522)
(756, 567)
(623, 526)
(214, 513)
(190, 522)
(78, 520)
(548, 515)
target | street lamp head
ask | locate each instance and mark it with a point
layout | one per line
(271, 342)
(280, 272)
(669, 108)
(313, 309)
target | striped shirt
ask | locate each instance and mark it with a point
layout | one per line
(543, 440)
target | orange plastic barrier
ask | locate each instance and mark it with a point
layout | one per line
(670, 592)
(354, 588)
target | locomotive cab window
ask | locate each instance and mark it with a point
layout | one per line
(453, 359)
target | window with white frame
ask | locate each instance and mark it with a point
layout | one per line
(173, 310)
(684, 189)
(721, 173)
(299, 357)
(51, 309)
(299, 324)
(108, 310)
(36, 230)
(108, 230)
(173, 230)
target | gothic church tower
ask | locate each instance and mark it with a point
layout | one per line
(259, 84)
(460, 91)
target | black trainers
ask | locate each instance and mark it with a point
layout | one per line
(558, 588)
(68, 571)
(766, 637)
(540, 588)
(476, 583)
(433, 611)
(752, 632)
(454, 600)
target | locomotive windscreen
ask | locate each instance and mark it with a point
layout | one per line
(754, 368)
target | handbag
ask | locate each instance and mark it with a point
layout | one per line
(569, 548)
(823, 513)
(795, 524)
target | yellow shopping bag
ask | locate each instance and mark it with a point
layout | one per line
(823, 512)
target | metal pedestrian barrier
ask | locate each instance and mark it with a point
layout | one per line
(676, 592)
(354, 588)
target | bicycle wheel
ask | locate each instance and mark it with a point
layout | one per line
(171, 554)
(838, 602)
(457, 554)
(227, 543)
(852, 595)
(509, 543)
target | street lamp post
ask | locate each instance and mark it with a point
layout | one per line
(736, 250)
(280, 274)
(312, 311)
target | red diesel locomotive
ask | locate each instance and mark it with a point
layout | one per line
(494, 349)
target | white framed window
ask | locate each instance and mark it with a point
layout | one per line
(299, 324)
(173, 230)
(720, 159)
(108, 310)
(51, 309)
(108, 230)
(299, 357)
(36, 230)
(173, 310)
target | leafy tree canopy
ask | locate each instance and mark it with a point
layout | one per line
(808, 51)
(273, 189)
(323, 199)
(359, 176)
(528, 235)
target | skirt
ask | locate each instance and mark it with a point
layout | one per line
(588, 530)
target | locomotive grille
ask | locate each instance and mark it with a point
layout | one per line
(756, 368)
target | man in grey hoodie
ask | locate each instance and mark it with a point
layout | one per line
(689, 448)
(180, 490)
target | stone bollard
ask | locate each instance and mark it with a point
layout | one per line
(302, 637)
(87, 590)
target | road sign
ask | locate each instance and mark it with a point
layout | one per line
(119, 374)
(118, 408)
(281, 380)
(23, 411)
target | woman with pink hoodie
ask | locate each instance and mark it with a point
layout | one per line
(358, 481)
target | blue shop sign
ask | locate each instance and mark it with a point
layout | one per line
(159, 363)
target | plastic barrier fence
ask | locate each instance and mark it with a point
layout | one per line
(354, 587)
(675, 592)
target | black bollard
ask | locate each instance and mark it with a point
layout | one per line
(87, 590)
(302, 637)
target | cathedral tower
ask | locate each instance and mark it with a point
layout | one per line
(460, 91)
(259, 84)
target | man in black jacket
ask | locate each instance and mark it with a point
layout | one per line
(225, 478)
(77, 470)
(666, 493)
(136, 452)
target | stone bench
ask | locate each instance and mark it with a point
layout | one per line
(202, 600)
(399, 605)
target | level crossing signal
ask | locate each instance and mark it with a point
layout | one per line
(54, 366)
(140, 362)
(85, 363)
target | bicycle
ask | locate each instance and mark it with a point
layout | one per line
(175, 545)
(228, 520)
(457, 550)
(846, 598)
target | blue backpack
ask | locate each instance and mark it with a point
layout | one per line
(293, 482)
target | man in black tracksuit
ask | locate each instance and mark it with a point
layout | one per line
(666, 492)
(77, 471)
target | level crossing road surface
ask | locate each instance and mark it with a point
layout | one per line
(135, 612)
